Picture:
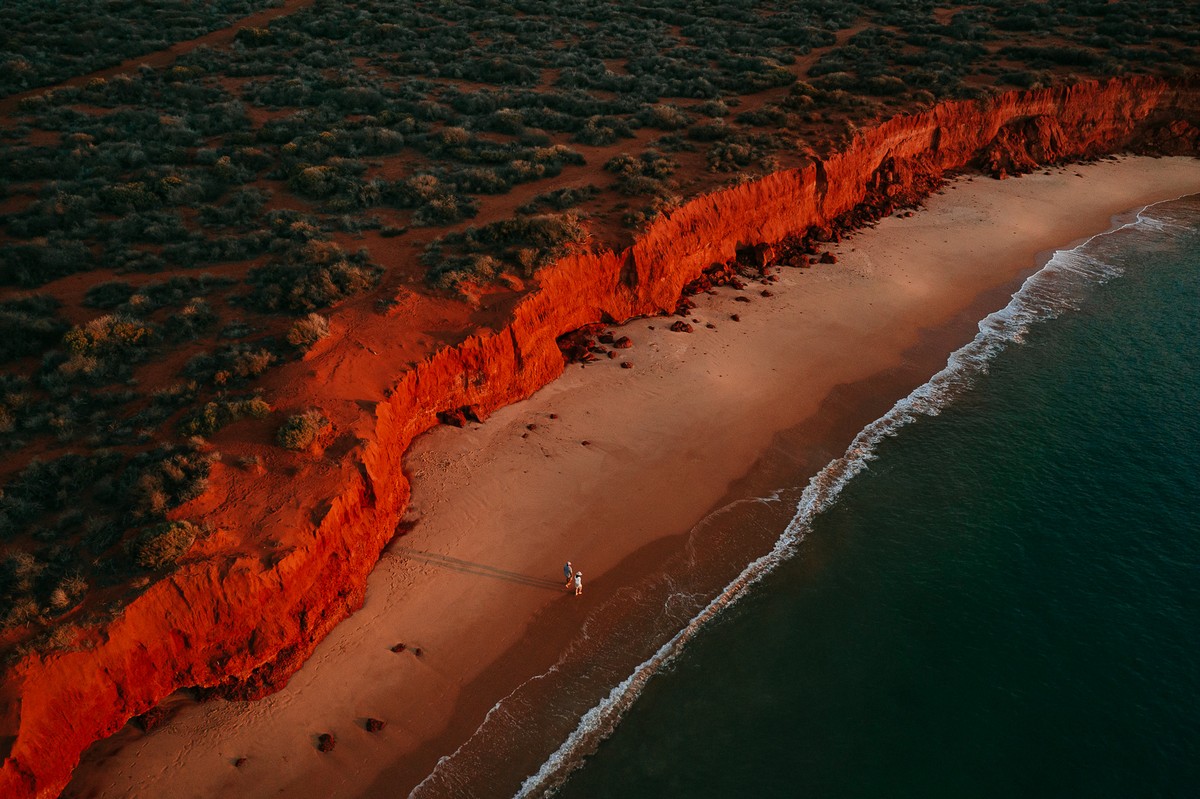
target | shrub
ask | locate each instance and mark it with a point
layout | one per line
(525, 243)
(311, 275)
(155, 482)
(214, 415)
(230, 362)
(664, 117)
(163, 544)
(308, 331)
(600, 131)
(560, 199)
(108, 295)
(301, 429)
(108, 334)
(29, 326)
(190, 321)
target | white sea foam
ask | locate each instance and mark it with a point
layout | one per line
(1056, 288)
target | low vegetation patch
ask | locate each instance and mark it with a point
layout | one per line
(301, 430)
(521, 245)
(163, 544)
(210, 418)
(306, 332)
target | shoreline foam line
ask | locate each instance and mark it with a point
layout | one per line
(1043, 296)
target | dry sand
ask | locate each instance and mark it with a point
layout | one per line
(476, 583)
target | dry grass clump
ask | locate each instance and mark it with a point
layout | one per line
(521, 245)
(210, 418)
(311, 275)
(306, 332)
(301, 430)
(163, 544)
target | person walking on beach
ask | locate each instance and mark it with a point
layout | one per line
(567, 570)
(578, 583)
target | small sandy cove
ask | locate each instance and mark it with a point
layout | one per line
(611, 467)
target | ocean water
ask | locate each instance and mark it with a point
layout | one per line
(995, 592)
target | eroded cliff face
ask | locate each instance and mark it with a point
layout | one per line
(244, 624)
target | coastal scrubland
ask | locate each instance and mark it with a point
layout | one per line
(172, 236)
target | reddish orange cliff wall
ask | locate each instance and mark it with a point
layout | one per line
(246, 624)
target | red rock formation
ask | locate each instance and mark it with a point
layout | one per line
(244, 624)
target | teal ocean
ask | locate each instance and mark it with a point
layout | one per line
(995, 593)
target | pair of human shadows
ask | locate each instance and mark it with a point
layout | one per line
(479, 569)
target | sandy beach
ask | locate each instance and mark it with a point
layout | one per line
(627, 472)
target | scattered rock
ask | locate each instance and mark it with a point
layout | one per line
(828, 258)
(612, 353)
(399, 647)
(326, 742)
(241, 761)
(626, 365)
(623, 343)
(606, 337)
(766, 293)
(741, 299)
(417, 651)
(735, 317)
(554, 416)
(375, 725)
(531, 426)
(681, 327)
(586, 443)
(710, 326)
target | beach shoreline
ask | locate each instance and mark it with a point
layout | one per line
(475, 583)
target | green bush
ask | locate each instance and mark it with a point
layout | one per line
(163, 544)
(29, 326)
(230, 363)
(311, 275)
(108, 334)
(308, 331)
(301, 430)
(216, 414)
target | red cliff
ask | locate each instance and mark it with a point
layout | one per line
(243, 623)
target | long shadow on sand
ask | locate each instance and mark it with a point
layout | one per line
(480, 569)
